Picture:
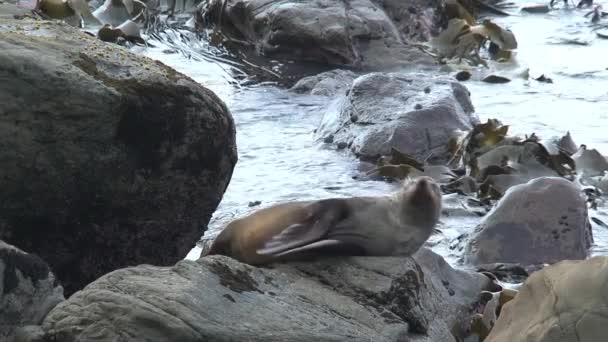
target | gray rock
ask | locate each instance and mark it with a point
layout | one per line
(495, 79)
(359, 33)
(463, 75)
(30, 333)
(219, 299)
(536, 8)
(542, 221)
(328, 83)
(112, 12)
(385, 107)
(590, 162)
(109, 159)
(28, 290)
(565, 302)
(8, 10)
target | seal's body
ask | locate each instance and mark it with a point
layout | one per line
(56, 9)
(397, 224)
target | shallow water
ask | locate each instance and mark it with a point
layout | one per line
(279, 161)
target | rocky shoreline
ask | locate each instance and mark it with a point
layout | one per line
(113, 163)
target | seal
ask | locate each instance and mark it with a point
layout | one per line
(63, 9)
(56, 9)
(396, 224)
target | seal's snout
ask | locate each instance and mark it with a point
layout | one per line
(424, 185)
(422, 202)
(422, 181)
(424, 191)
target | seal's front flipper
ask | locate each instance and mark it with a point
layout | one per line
(324, 215)
(324, 247)
(294, 236)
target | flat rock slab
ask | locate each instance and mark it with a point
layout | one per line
(219, 299)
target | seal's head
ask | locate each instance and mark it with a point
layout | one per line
(422, 201)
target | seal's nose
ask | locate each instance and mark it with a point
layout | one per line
(422, 189)
(422, 181)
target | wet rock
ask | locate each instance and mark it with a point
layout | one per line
(589, 162)
(328, 83)
(126, 32)
(387, 116)
(567, 144)
(536, 8)
(333, 299)
(495, 79)
(544, 79)
(564, 143)
(565, 302)
(542, 221)
(463, 76)
(254, 203)
(109, 159)
(28, 290)
(600, 181)
(463, 185)
(30, 333)
(359, 33)
(510, 273)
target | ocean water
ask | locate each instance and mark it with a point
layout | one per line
(280, 161)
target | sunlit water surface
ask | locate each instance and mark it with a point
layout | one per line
(279, 160)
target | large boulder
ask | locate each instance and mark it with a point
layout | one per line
(415, 113)
(219, 299)
(362, 34)
(28, 290)
(565, 302)
(542, 221)
(108, 159)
